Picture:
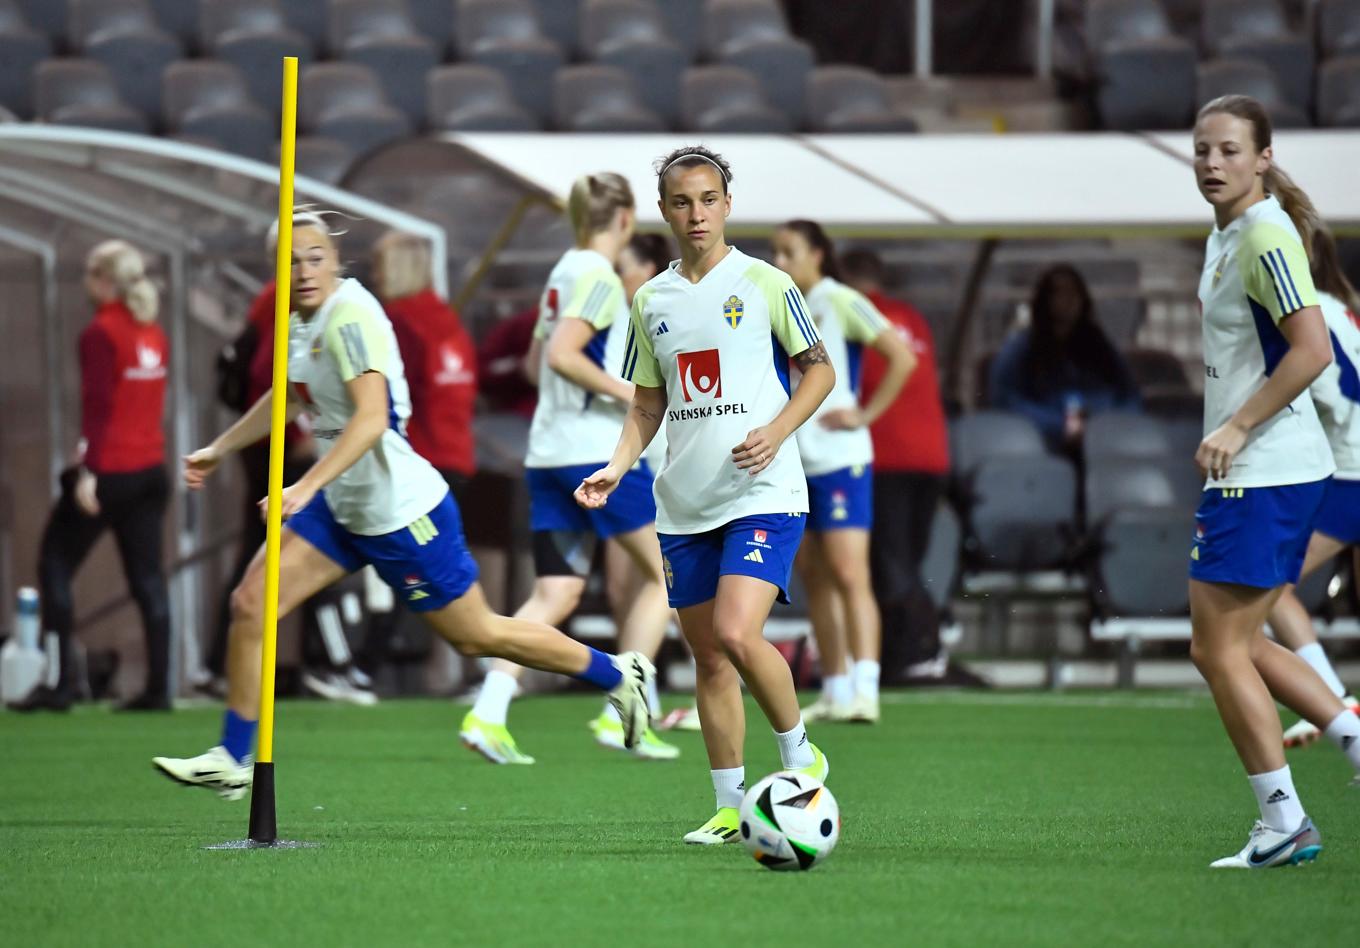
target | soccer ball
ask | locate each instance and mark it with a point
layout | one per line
(790, 821)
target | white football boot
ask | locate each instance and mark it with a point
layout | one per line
(629, 696)
(1267, 848)
(214, 770)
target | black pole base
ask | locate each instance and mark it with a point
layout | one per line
(264, 828)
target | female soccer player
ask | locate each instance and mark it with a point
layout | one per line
(119, 481)
(1336, 393)
(368, 500)
(1266, 459)
(708, 350)
(838, 456)
(576, 358)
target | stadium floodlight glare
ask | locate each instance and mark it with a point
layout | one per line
(263, 820)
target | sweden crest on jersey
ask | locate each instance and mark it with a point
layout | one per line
(733, 310)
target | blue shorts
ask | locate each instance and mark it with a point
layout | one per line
(842, 499)
(552, 506)
(1339, 515)
(762, 546)
(1254, 536)
(427, 563)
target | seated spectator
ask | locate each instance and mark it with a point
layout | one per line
(1063, 368)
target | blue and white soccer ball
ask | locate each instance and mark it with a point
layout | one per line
(790, 821)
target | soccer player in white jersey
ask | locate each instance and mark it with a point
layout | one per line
(1336, 393)
(1267, 462)
(708, 349)
(370, 499)
(576, 359)
(838, 458)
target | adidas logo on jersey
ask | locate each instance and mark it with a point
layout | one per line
(754, 556)
(661, 330)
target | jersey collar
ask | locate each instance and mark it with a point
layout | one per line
(1256, 211)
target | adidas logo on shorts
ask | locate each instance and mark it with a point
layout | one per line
(754, 556)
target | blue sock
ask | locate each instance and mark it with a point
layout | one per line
(238, 735)
(601, 672)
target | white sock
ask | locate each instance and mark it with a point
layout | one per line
(1344, 732)
(1278, 800)
(494, 699)
(653, 698)
(1316, 657)
(838, 689)
(729, 786)
(794, 750)
(611, 713)
(866, 678)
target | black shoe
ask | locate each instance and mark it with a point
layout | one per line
(146, 701)
(44, 698)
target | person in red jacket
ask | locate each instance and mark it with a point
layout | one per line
(440, 358)
(911, 459)
(119, 481)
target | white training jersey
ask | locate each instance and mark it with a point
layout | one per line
(1336, 392)
(721, 350)
(847, 321)
(571, 425)
(1255, 274)
(390, 486)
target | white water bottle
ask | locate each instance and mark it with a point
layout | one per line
(22, 663)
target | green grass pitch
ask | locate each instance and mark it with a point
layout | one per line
(984, 819)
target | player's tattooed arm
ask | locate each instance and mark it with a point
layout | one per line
(649, 414)
(813, 355)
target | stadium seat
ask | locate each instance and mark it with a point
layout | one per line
(1248, 77)
(1183, 435)
(21, 48)
(308, 17)
(595, 98)
(1023, 511)
(6, 116)
(727, 99)
(1120, 434)
(48, 17)
(505, 35)
(180, 20)
(1146, 83)
(1111, 21)
(433, 20)
(1142, 563)
(632, 35)
(728, 22)
(1338, 27)
(82, 92)
(209, 99)
(1258, 30)
(559, 21)
(137, 60)
(345, 101)
(851, 99)
(1116, 483)
(254, 36)
(1121, 316)
(473, 98)
(322, 159)
(782, 65)
(1338, 95)
(976, 437)
(686, 21)
(89, 18)
(382, 36)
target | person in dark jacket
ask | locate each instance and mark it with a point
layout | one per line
(1063, 368)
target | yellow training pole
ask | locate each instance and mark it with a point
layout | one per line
(263, 824)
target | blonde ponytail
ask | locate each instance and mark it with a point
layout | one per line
(593, 200)
(124, 267)
(1296, 204)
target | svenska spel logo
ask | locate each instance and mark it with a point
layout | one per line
(760, 536)
(700, 375)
